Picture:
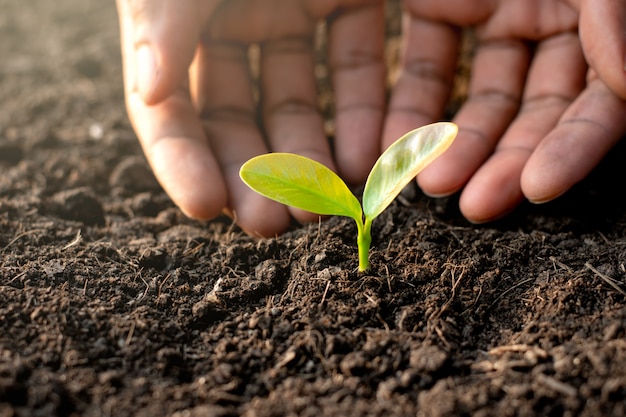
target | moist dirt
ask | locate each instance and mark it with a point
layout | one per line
(112, 303)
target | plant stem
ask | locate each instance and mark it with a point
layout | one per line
(363, 240)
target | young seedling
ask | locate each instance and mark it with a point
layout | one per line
(300, 182)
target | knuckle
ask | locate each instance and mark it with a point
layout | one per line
(294, 107)
(426, 70)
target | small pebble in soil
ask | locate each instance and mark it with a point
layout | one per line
(96, 131)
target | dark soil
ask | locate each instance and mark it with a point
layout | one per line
(114, 304)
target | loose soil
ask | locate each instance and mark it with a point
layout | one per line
(114, 304)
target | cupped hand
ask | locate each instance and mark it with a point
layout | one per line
(190, 96)
(543, 107)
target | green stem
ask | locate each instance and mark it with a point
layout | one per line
(363, 240)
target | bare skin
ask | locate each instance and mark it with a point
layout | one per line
(536, 121)
(545, 99)
(196, 130)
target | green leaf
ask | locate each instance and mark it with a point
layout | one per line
(402, 161)
(300, 182)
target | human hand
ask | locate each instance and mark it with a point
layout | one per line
(537, 118)
(190, 98)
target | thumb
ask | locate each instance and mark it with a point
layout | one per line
(158, 39)
(603, 36)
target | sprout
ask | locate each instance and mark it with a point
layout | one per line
(300, 182)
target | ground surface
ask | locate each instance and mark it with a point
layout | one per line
(113, 304)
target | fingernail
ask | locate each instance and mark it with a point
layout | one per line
(146, 71)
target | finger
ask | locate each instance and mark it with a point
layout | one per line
(289, 100)
(603, 35)
(170, 134)
(427, 64)
(291, 117)
(174, 144)
(455, 12)
(555, 78)
(496, 86)
(356, 60)
(225, 102)
(586, 132)
(532, 20)
(158, 42)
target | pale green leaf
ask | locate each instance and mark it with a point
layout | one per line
(402, 161)
(300, 182)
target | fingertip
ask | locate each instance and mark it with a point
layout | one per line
(306, 217)
(541, 182)
(494, 191)
(475, 209)
(452, 170)
(196, 206)
(481, 208)
(260, 217)
(440, 180)
(182, 168)
(535, 187)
